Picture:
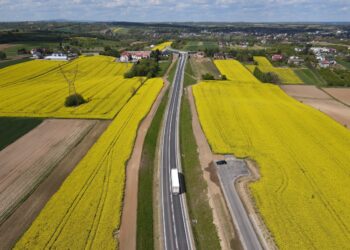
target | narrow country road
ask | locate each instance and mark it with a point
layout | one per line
(176, 229)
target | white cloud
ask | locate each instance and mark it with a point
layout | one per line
(176, 10)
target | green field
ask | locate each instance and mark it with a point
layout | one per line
(310, 76)
(336, 77)
(203, 66)
(200, 45)
(7, 63)
(13, 128)
(11, 52)
(344, 63)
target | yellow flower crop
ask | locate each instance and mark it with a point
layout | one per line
(286, 75)
(38, 88)
(303, 155)
(262, 61)
(162, 46)
(250, 67)
(234, 70)
(85, 212)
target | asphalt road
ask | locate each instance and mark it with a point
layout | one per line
(176, 228)
(228, 174)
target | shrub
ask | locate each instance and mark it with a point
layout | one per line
(223, 77)
(208, 76)
(74, 100)
(2, 55)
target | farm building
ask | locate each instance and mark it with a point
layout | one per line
(134, 56)
(57, 57)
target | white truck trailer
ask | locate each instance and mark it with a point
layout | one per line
(175, 182)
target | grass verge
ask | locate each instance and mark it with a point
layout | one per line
(145, 237)
(189, 77)
(172, 72)
(13, 128)
(204, 231)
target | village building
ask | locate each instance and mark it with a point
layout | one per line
(57, 57)
(277, 57)
(296, 60)
(324, 64)
(134, 56)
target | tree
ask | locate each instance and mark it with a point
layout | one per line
(110, 52)
(74, 100)
(155, 54)
(2, 55)
(22, 51)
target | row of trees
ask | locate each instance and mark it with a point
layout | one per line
(108, 51)
(268, 77)
(147, 67)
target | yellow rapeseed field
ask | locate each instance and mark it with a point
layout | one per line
(234, 70)
(286, 75)
(85, 212)
(162, 46)
(38, 89)
(303, 157)
(250, 67)
(262, 61)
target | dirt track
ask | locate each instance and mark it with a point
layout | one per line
(55, 144)
(320, 100)
(127, 234)
(341, 94)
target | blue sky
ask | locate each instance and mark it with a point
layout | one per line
(176, 10)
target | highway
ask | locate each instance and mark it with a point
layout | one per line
(176, 229)
(228, 174)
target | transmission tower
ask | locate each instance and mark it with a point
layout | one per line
(70, 80)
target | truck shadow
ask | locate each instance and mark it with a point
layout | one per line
(182, 183)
